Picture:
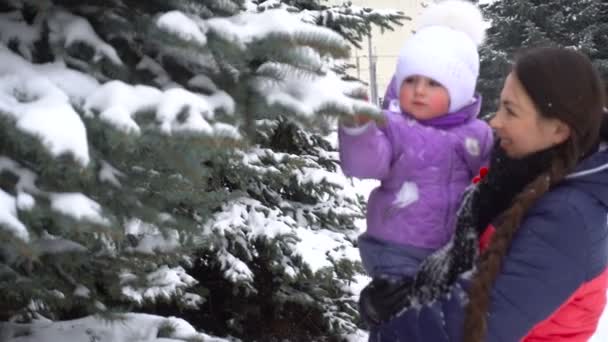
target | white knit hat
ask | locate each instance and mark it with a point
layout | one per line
(444, 48)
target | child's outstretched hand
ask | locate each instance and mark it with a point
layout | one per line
(360, 119)
(355, 120)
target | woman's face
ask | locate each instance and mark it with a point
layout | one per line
(519, 125)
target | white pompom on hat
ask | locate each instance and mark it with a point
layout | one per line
(444, 48)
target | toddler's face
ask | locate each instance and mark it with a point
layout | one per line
(423, 97)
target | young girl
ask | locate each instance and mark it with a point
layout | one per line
(429, 146)
(543, 275)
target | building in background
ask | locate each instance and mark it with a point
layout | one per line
(384, 46)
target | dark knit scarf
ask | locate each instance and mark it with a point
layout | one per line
(481, 205)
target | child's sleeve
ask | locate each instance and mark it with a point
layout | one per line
(365, 151)
(486, 150)
(477, 149)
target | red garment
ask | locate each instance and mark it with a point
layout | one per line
(577, 318)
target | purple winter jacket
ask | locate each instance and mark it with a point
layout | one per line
(424, 167)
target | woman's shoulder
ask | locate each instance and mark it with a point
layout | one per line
(567, 198)
(572, 221)
(567, 204)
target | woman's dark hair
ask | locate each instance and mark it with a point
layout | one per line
(564, 85)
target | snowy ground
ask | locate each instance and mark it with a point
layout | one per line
(133, 328)
(601, 335)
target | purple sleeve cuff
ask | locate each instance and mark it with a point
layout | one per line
(365, 151)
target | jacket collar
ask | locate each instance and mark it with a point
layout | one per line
(456, 118)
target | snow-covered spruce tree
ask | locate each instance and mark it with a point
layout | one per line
(517, 24)
(141, 139)
(297, 212)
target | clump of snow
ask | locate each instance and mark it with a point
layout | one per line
(226, 131)
(164, 282)
(221, 100)
(25, 201)
(8, 216)
(319, 247)
(109, 174)
(68, 29)
(176, 109)
(117, 102)
(136, 226)
(78, 206)
(357, 336)
(309, 175)
(82, 291)
(178, 23)
(472, 146)
(155, 243)
(75, 205)
(253, 220)
(151, 239)
(245, 28)
(41, 108)
(27, 178)
(234, 269)
(252, 216)
(178, 101)
(307, 95)
(355, 287)
(75, 84)
(407, 195)
(13, 28)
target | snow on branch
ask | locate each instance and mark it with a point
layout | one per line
(78, 206)
(234, 269)
(110, 174)
(165, 282)
(176, 109)
(13, 28)
(8, 216)
(67, 29)
(307, 95)
(246, 28)
(178, 23)
(75, 205)
(41, 108)
(150, 238)
(246, 216)
(319, 248)
(247, 219)
(23, 201)
(250, 216)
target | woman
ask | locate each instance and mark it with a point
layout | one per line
(541, 272)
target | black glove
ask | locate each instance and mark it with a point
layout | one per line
(382, 298)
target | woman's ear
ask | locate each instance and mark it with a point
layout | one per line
(561, 132)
